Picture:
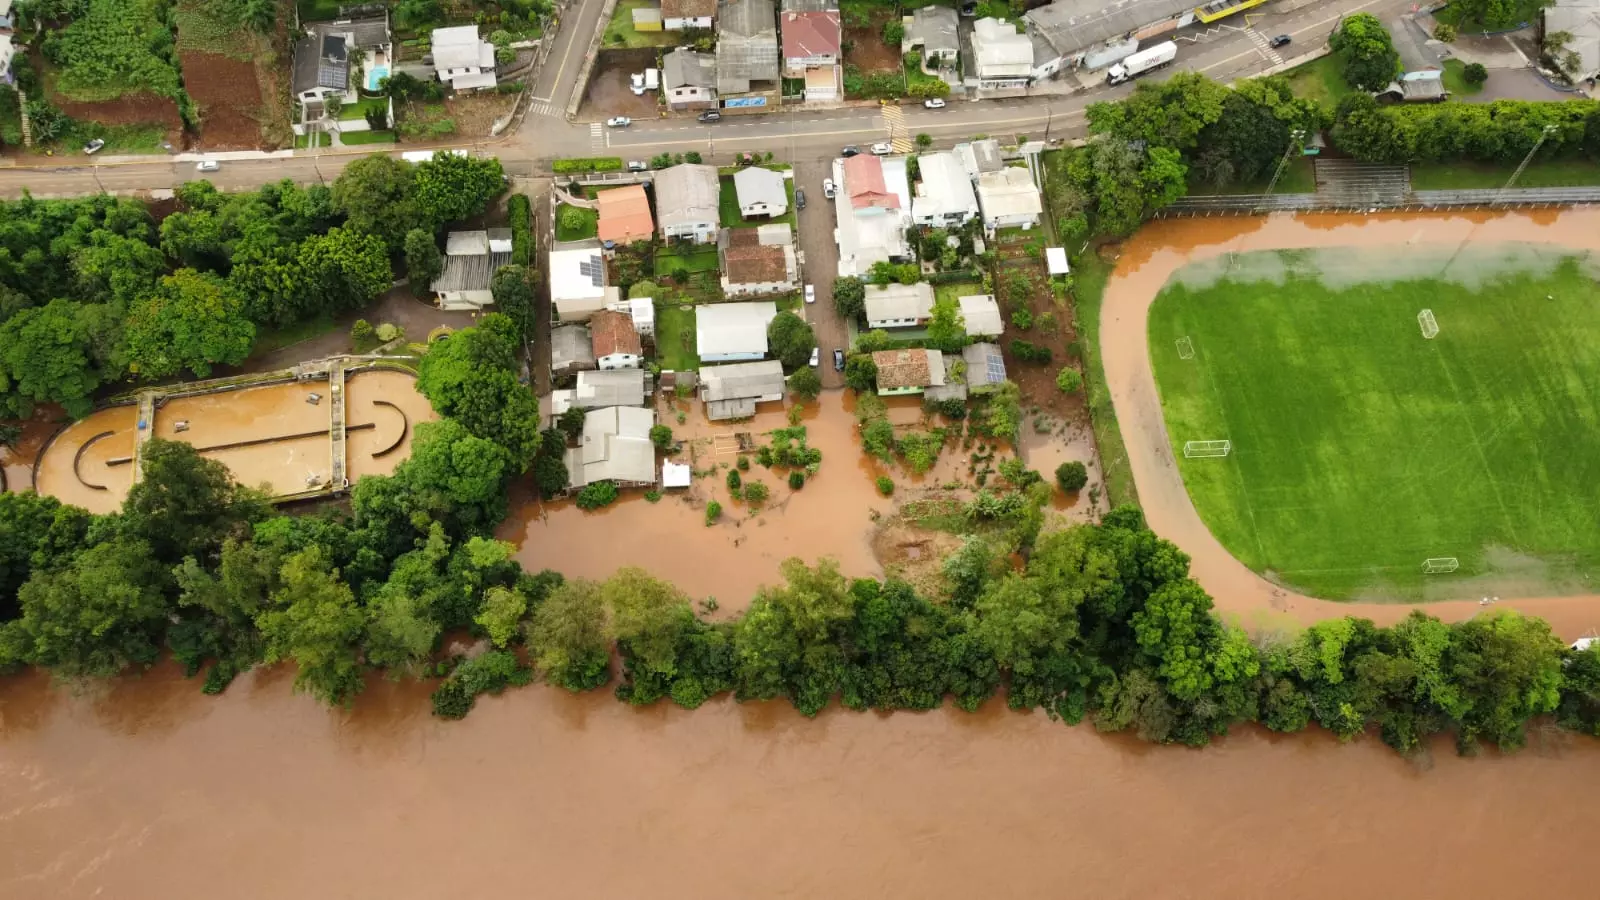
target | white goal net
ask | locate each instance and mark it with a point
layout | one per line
(1440, 565)
(1185, 348)
(1193, 449)
(1430, 325)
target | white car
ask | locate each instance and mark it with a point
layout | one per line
(811, 293)
(816, 356)
(618, 122)
(882, 149)
(933, 103)
(828, 190)
(208, 165)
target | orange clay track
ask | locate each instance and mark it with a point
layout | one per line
(1150, 258)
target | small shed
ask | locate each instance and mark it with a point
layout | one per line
(675, 475)
(1055, 259)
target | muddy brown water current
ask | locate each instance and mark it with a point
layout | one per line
(145, 788)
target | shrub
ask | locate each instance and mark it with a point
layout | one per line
(593, 164)
(734, 481)
(797, 480)
(388, 331)
(1027, 352)
(361, 333)
(1069, 380)
(521, 213)
(489, 673)
(1475, 74)
(893, 33)
(886, 485)
(1022, 319)
(652, 496)
(755, 493)
(713, 512)
(1444, 33)
(594, 496)
(744, 463)
(661, 436)
(692, 157)
(1072, 476)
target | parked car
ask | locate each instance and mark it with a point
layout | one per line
(828, 189)
(1281, 40)
(710, 115)
(850, 151)
(799, 199)
(882, 148)
(638, 165)
(816, 356)
(618, 122)
(811, 293)
(933, 103)
(94, 146)
(838, 360)
(208, 165)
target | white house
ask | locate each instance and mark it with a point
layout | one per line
(872, 210)
(1009, 198)
(935, 29)
(679, 15)
(6, 52)
(733, 332)
(686, 202)
(945, 196)
(1002, 55)
(578, 283)
(981, 315)
(335, 59)
(761, 192)
(470, 260)
(760, 260)
(732, 391)
(898, 305)
(463, 60)
(615, 341)
(643, 312)
(615, 446)
(689, 79)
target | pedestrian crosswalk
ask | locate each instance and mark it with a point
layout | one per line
(1265, 46)
(894, 120)
(597, 136)
(544, 108)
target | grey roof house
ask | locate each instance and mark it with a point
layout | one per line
(686, 202)
(732, 391)
(571, 349)
(747, 45)
(761, 192)
(1094, 33)
(689, 79)
(934, 29)
(470, 260)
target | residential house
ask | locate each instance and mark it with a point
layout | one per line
(935, 30)
(470, 260)
(985, 367)
(625, 215)
(339, 59)
(1093, 34)
(908, 371)
(578, 283)
(676, 475)
(463, 60)
(762, 192)
(678, 15)
(571, 349)
(616, 341)
(944, 196)
(616, 447)
(5, 14)
(1581, 19)
(978, 157)
(899, 305)
(643, 312)
(811, 48)
(733, 332)
(686, 203)
(873, 208)
(747, 52)
(1002, 57)
(981, 315)
(689, 79)
(758, 261)
(613, 387)
(732, 391)
(1009, 198)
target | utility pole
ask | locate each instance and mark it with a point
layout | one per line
(1544, 134)
(1295, 137)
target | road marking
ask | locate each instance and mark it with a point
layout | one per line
(1251, 52)
(598, 139)
(1264, 47)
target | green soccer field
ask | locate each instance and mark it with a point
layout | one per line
(1359, 449)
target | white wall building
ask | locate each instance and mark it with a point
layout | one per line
(615, 446)
(1009, 198)
(461, 59)
(733, 332)
(1003, 55)
(686, 202)
(898, 305)
(944, 195)
(679, 15)
(578, 283)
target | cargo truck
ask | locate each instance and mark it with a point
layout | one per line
(1144, 61)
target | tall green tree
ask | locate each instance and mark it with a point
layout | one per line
(52, 354)
(217, 610)
(470, 377)
(787, 644)
(567, 637)
(1366, 51)
(315, 622)
(424, 262)
(513, 296)
(453, 186)
(99, 615)
(376, 196)
(192, 321)
(185, 504)
(947, 331)
(790, 339)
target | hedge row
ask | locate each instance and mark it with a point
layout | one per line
(591, 164)
(1500, 132)
(521, 229)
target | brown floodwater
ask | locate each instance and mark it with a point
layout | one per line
(1163, 247)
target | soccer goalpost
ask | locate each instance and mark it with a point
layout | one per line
(1201, 449)
(1440, 565)
(1430, 325)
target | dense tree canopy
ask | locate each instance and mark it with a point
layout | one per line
(790, 339)
(1366, 52)
(471, 376)
(191, 321)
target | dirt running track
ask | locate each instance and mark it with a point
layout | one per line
(1150, 258)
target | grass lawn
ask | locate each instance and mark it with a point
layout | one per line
(675, 339)
(728, 207)
(574, 223)
(367, 137)
(1299, 178)
(118, 138)
(270, 339)
(358, 110)
(955, 290)
(1455, 82)
(1463, 176)
(699, 260)
(1320, 80)
(1361, 449)
(620, 33)
(1090, 274)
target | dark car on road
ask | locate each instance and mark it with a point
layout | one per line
(850, 151)
(710, 115)
(799, 199)
(1281, 40)
(838, 360)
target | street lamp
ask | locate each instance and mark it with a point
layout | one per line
(1295, 137)
(1544, 134)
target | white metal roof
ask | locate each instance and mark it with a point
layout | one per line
(609, 387)
(946, 187)
(981, 314)
(473, 81)
(1000, 50)
(899, 301)
(755, 185)
(675, 475)
(455, 48)
(1008, 192)
(1056, 259)
(723, 328)
(742, 380)
(577, 275)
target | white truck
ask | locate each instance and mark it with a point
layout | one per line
(1144, 61)
(652, 79)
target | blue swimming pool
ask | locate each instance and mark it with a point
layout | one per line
(375, 75)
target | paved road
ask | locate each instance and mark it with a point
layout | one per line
(822, 264)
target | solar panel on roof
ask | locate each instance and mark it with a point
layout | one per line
(593, 268)
(331, 76)
(997, 368)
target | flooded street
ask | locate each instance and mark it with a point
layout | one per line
(1150, 258)
(152, 790)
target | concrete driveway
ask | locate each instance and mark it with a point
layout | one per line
(822, 264)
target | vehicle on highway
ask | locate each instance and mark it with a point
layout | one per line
(828, 190)
(618, 122)
(208, 165)
(638, 165)
(933, 103)
(94, 146)
(811, 293)
(799, 199)
(882, 148)
(1147, 60)
(710, 115)
(1281, 40)
(850, 151)
(838, 360)
(816, 356)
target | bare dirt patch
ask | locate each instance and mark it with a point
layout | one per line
(229, 99)
(608, 93)
(475, 115)
(915, 555)
(864, 46)
(133, 109)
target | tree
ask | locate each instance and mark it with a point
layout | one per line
(1002, 415)
(501, 618)
(787, 644)
(947, 330)
(315, 622)
(861, 373)
(806, 383)
(470, 376)
(567, 637)
(713, 512)
(597, 494)
(893, 33)
(344, 269)
(401, 630)
(790, 340)
(424, 263)
(1368, 55)
(1490, 15)
(99, 615)
(185, 504)
(1475, 74)
(849, 297)
(217, 610)
(1072, 476)
(513, 296)
(375, 194)
(192, 320)
(469, 471)
(26, 522)
(1508, 669)
(1444, 33)
(48, 355)
(924, 141)
(661, 437)
(453, 186)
